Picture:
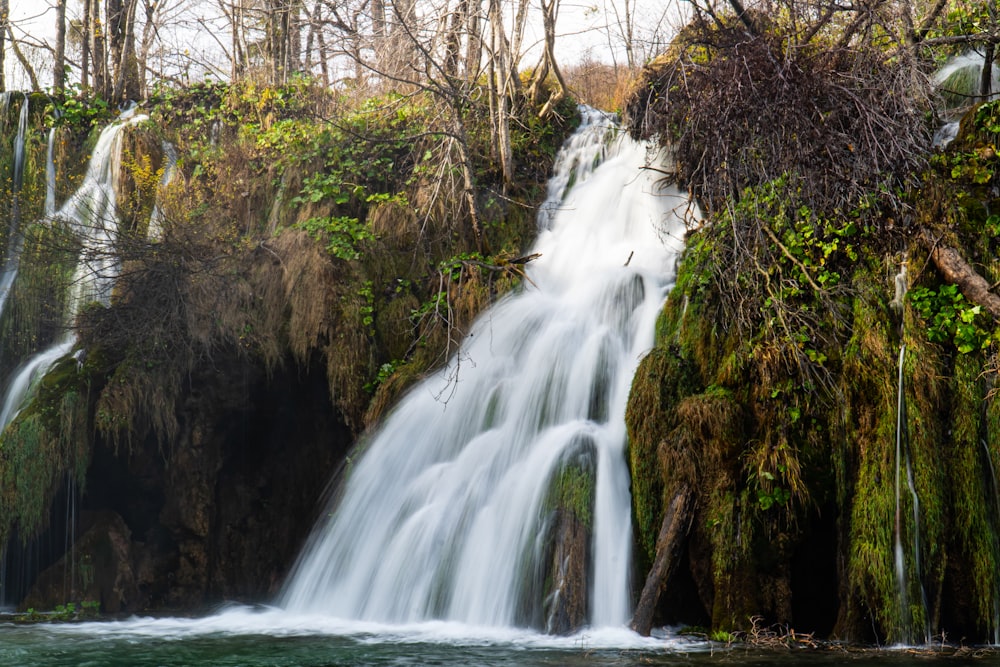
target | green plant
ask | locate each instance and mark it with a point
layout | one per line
(367, 308)
(951, 318)
(78, 111)
(343, 234)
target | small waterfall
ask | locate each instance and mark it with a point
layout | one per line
(904, 462)
(15, 240)
(995, 489)
(900, 561)
(444, 516)
(92, 214)
(69, 538)
(19, 144)
(958, 81)
(50, 175)
(155, 230)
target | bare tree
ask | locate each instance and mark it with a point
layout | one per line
(4, 20)
(85, 28)
(59, 64)
(121, 36)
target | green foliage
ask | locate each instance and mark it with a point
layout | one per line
(367, 308)
(343, 235)
(811, 245)
(988, 117)
(70, 611)
(950, 318)
(79, 112)
(775, 496)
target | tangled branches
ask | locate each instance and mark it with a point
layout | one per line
(798, 152)
(740, 109)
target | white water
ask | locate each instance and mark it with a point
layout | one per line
(443, 514)
(961, 75)
(904, 461)
(14, 239)
(91, 213)
(50, 175)
(156, 218)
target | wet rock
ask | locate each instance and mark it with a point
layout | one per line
(99, 568)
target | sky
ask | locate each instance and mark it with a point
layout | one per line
(587, 29)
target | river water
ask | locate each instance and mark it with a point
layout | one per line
(246, 637)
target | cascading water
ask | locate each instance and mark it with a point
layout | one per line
(156, 217)
(14, 239)
(50, 175)
(91, 213)
(905, 463)
(959, 81)
(445, 513)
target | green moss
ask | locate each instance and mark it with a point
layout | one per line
(573, 491)
(48, 440)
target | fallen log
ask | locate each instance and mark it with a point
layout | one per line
(669, 544)
(955, 270)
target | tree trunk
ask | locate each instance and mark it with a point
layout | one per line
(474, 49)
(85, 29)
(4, 17)
(121, 32)
(98, 51)
(149, 29)
(28, 69)
(294, 38)
(986, 81)
(550, 10)
(499, 82)
(669, 544)
(453, 41)
(59, 67)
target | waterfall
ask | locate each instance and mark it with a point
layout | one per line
(904, 462)
(958, 82)
(50, 175)
(19, 144)
(92, 215)
(444, 512)
(156, 217)
(14, 238)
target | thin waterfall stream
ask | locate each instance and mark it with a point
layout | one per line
(445, 513)
(15, 240)
(91, 212)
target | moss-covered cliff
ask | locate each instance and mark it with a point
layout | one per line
(835, 431)
(290, 260)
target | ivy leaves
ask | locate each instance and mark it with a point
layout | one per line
(951, 318)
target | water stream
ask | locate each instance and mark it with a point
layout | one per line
(92, 215)
(904, 464)
(15, 240)
(443, 515)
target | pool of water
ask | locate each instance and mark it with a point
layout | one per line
(272, 638)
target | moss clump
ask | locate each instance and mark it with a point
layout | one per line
(47, 442)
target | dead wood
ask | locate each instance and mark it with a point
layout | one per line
(957, 271)
(669, 544)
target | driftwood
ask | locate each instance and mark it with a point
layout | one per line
(669, 543)
(957, 271)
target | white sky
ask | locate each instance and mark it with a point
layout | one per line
(585, 28)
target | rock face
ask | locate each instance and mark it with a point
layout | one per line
(218, 517)
(99, 568)
(566, 603)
